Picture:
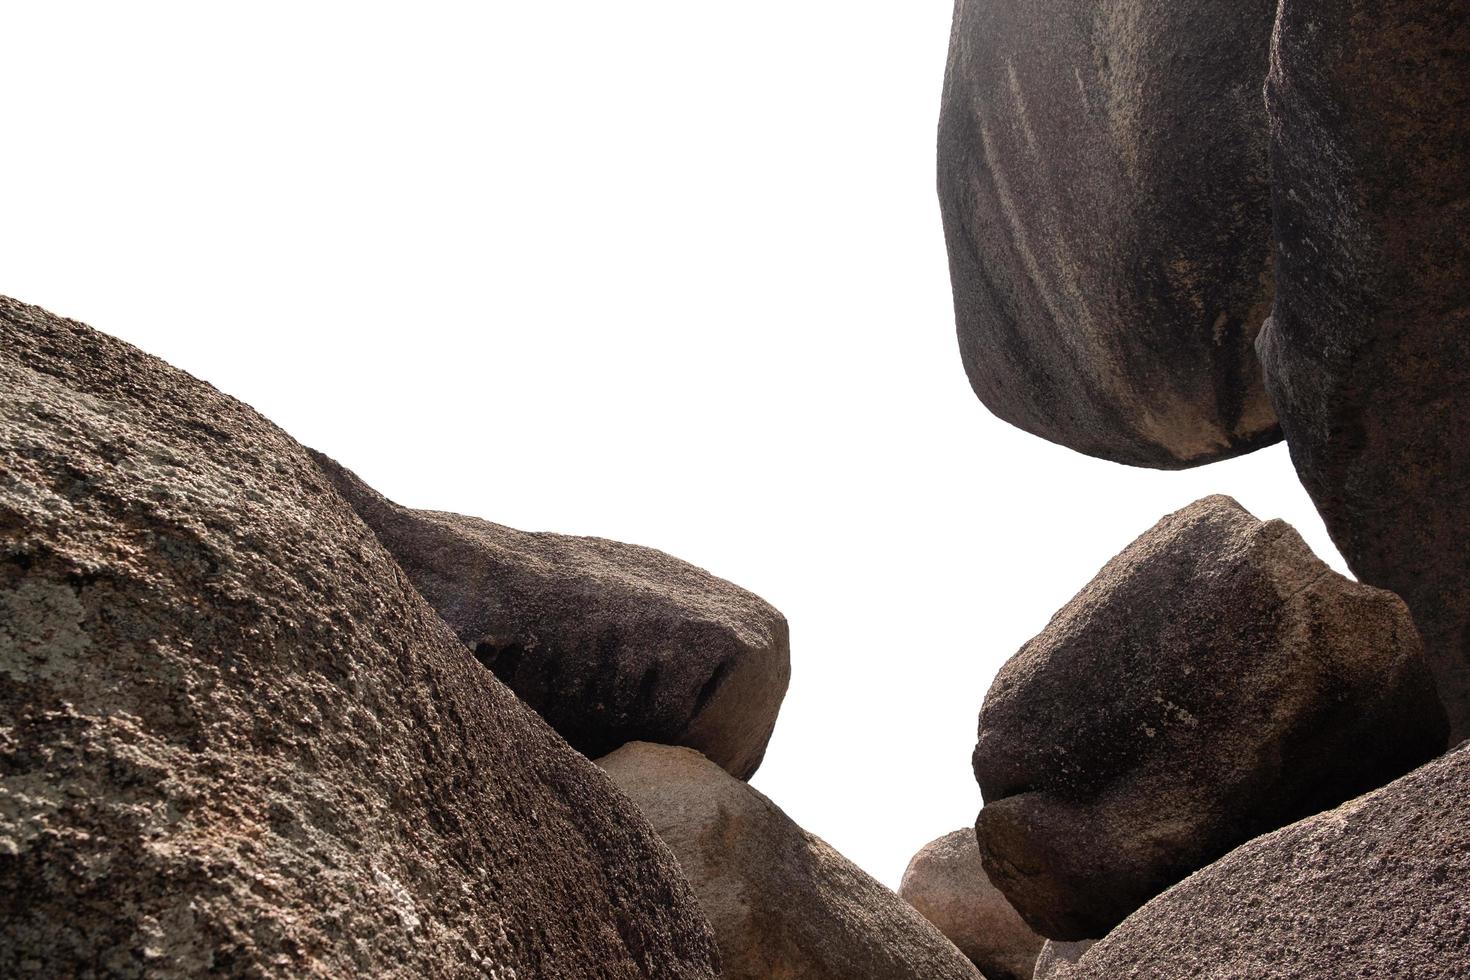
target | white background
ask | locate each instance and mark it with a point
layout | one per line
(667, 271)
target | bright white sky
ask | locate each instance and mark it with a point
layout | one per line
(665, 271)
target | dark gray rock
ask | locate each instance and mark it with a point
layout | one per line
(782, 902)
(611, 643)
(946, 882)
(1215, 681)
(234, 741)
(1374, 888)
(1367, 354)
(1104, 183)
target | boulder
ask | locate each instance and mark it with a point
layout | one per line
(1057, 960)
(1374, 888)
(1104, 184)
(947, 884)
(234, 741)
(611, 643)
(1367, 353)
(1215, 681)
(782, 903)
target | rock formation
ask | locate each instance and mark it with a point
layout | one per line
(1367, 354)
(946, 882)
(782, 903)
(609, 642)
(1213, 682)
(1374, 888)
(234, 741)
(1104, 182)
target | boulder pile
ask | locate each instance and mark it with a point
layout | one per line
(260, 721)
(1161, 763)
(236, 742)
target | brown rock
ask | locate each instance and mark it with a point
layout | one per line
(782, 903)
(1057, 960)
(947, 884)
(235, 742)
(1214, 682)
(1104, 183)
(609, 642)
(1374, 888)
(1367, 354)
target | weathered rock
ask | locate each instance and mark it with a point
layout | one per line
(1057, 960)
(1374, 888)
(1367, 354)
(235, 742)
(947, 884)
(1215, 681)
(1104, 182)
(611, 643)
(782, 903)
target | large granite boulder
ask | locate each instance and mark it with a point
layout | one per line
(1367, 353)
(946, 882)
(611, 643)
(234, 741)
(1215, 681)
(1374, 888)
(1104, 183)
(782, 903)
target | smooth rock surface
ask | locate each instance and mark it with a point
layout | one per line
(1057, 960)
(234, 741)
(611, 643)
(946, 882)
(782, 902)
(1104, 183)
(1374, 888)
(1215, 681)
(1367, 354)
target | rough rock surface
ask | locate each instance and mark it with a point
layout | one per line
(235, 742)
(1215, 681)
(1057, 960)
(946, 882)
(782, 903)
(1104, 183)
(610, 642)
(1367, 353)
(1374, 888)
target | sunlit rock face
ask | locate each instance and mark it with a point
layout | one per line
(782, 902)
(948, 884)
(1105, 190)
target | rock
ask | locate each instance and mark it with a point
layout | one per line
(1375, 888)
(1104, 183)
(946, 883)
(782, 903)
(1367, 355)
(235, 742)
(1215, 681)
(1057, 960)
(611, 643)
